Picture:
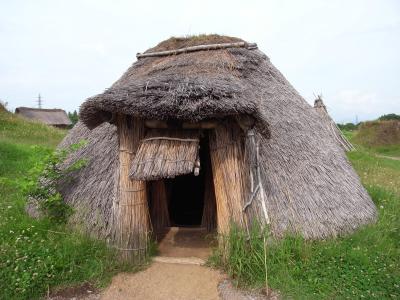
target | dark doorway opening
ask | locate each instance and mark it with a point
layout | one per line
(186, 193)
(186, 200)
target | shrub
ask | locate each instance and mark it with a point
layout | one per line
(347, 126)
(389, 117)
(41, 184)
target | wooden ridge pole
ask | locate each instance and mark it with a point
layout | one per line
(249, 46)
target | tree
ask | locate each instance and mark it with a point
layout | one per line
(3, 105)
(73, 117)
(389, 117)
(347, 126)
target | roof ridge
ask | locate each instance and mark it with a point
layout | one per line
(40, 109)
(218, 46)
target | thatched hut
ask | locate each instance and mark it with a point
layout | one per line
(332, 128)
(53, 117)
(206, 131)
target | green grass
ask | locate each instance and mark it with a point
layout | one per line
(388, 150)
(14, 129)
(364, 265)
(36, 255)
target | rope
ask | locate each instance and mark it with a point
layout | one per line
(129, 249)
(133, 204)
(126, 150)
(132, 191)
(163, 159)
(170, 139)
(253, 195)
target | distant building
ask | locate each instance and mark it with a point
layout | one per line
(54, 117)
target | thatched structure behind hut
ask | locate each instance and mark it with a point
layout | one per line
(331, 126)
(216, 107)
(53, 117)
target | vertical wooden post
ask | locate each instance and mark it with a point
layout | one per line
(159, 206)
(209, 219)
(227, 159)
(133, 215)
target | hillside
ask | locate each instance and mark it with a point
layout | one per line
(36, 255)
(379, 136)
(15, 129)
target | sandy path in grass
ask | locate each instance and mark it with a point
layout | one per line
(165, 281)
(388, 157)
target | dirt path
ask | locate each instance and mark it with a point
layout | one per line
(177, 273)
(171, 280)
(166, 281)
(388, 157)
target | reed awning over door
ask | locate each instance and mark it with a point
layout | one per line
(166, 154)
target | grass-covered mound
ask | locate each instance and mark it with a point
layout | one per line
(381, 136)
(36, 255)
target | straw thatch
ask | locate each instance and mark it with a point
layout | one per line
(165, 154)
(54, 117)
(332, 128)
(301, 179)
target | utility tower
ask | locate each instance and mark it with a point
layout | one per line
(39, 101)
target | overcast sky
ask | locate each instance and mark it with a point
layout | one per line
(349, 51)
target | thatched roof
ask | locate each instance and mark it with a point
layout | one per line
(165, 154)
(332, 128)
(55, 117)
(310, 186)
(192, 86)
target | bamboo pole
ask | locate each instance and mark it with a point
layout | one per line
(133, 215)
(227, 159)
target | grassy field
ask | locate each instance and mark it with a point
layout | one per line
(364, 265)
(36, 255)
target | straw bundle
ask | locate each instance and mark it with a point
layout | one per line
(133, 214)
(165, 154)
(159, 206)
(209, 218)
(227, 158)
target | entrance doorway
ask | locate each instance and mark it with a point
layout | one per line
(186, 193)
